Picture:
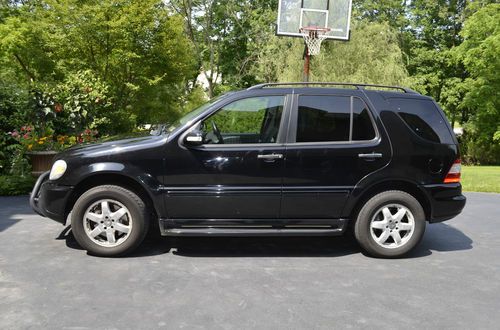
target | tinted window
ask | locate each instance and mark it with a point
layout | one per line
(362, 127)
(251, 120)
(328, 118)
(323, 118)
(424, 119)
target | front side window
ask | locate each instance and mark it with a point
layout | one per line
(192, 114)
(250, 120)
(324, 118)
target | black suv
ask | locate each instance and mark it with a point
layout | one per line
(275, 159)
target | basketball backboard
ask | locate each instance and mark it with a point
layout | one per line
(332, 14)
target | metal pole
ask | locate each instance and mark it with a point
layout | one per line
(307, 63)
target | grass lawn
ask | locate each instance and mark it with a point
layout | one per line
(481, 178)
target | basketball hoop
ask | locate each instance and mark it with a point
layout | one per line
(313, 37)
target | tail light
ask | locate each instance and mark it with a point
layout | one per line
(454, 172)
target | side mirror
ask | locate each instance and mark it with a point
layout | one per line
(193, 138)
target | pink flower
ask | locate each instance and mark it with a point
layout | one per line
(26, 136)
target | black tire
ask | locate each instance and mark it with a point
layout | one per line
(132, 202)
(363, 230)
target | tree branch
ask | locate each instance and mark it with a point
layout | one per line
(30, 75)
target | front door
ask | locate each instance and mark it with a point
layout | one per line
(237, 172)
(333, 144)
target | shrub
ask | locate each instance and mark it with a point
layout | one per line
(16, 185)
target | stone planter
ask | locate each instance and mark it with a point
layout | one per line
(41, 161)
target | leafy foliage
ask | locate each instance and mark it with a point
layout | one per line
(16, 185)
(136, 48)
(13, 102)
(480, 55)
(70, 66)
(372, 56)
(84, 101)
(238, 121)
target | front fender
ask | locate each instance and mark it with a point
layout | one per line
(115, 172)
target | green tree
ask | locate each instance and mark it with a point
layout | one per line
(205, 33)
(479, 54)
(225, 34)
(137, 48)
(392, 12)
(435, 27)
(371, 56)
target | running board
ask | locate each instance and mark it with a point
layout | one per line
(333, 228)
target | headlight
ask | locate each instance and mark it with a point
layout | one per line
(58, 169)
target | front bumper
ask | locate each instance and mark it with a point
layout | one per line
(446, 200)
(49, 199)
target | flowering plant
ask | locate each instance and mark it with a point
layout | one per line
(31, 140)
(87, 136)
(48, 141)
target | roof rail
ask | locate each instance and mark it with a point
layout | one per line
(358, 86)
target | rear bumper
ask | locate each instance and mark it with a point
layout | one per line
(446, 200)
(49, 199)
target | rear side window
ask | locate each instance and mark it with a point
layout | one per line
(424, 119)
(324, 118)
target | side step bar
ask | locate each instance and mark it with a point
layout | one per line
(248, 230)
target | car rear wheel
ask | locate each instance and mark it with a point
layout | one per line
(390, 224)
(109, 221)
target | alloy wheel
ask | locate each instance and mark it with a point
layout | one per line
(392, 226)
(107, 223)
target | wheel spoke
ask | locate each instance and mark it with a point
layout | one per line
(379, 224)
(110, 235)
(107, 222)
(105, 208)
(118, 214)
(96, 231)
(121, 228)
(97, 218)
(387, 213)
(397, 238)
(400, 214)
(392, 225)
(404, 226)
(383, 237)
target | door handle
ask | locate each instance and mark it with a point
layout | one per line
(370, 156)
(270, 156)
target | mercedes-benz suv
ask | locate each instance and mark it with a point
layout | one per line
(275, 159)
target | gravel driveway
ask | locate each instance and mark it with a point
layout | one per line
(452, 280)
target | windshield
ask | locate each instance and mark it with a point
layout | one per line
(191, 115)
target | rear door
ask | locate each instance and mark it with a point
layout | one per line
(333, 143)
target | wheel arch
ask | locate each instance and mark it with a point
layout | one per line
(409, 187)
(112, 178)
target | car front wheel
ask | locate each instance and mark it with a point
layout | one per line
(390, 224)
(109, 221)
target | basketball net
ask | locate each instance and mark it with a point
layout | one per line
(313, 37)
